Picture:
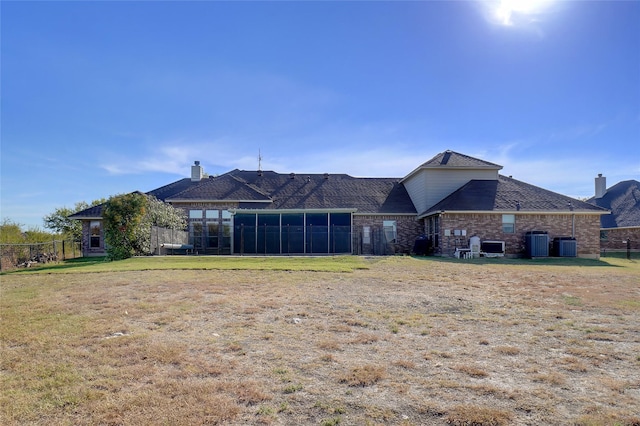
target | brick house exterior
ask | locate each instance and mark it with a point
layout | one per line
(619, 230)
(488, 226)
(443, 202)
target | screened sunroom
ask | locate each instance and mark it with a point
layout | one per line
(292, 232)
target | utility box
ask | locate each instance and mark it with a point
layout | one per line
(536, 244)
(565, 247)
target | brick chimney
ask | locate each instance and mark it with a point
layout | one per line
(196, 172)
(601, 186)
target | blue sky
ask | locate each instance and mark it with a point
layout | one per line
(103, 98)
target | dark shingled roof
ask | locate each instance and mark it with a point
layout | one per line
(161, 194)
(91, 212)
(172, 189)
(505, 194)
(305, 191)
(454, 159)
(623, 199)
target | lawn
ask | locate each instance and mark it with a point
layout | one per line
(324, 341)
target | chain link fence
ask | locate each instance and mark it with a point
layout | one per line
(14, 256)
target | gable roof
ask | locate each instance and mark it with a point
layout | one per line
(508, 194)
(93, 212)
(173, 188)
(623, 199)
(452, 159)
(268, 189)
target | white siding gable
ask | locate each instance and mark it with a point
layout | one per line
(429, 186)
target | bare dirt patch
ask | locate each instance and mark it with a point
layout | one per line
(408, 341)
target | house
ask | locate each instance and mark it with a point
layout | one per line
(445, 201)
(623, 224)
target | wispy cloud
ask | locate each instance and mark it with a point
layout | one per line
(517, 14)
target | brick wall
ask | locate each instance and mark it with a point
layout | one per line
(87, 250)
(407, 228)
(614, 239)
(489, 227)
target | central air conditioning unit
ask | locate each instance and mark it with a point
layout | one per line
(536, 244)
(565, 247)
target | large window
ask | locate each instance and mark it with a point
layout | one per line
(508, 223)
(390, 230)
(226, 231)
(96, 233)
(196, 234)
(366, 235)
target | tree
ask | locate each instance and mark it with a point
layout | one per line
(59, 222)
(122, 216)
(128, 219)
(10, 232)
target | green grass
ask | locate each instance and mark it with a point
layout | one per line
(100, 264)
(344, 263)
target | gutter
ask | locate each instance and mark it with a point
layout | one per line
(516, 212)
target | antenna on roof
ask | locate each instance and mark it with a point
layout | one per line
(259, 163)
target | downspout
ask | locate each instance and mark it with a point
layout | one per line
(573, 221)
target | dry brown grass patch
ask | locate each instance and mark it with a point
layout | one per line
(223, 347)
(364, 338)
(473, 415)
(507, 350)
(365, 375)
(471, 370)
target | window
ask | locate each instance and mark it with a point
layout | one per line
(389, 228)
(195, 214)
(196, 234)
(211, 214)
(212, 235)
(226, 229)
(96, 233)
(366, 235)
(604, 235)
(508, 223)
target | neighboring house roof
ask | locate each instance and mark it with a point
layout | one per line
(508, 194)
(623, 199)
(271, 190)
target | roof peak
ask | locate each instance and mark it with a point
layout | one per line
(455, 159)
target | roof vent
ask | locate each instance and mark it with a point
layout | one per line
(308, 178)
(292, 175)
(446, 157)
(326, 175)
(259, 172)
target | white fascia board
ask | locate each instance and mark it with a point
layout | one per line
(86, 218)
(516, 212)
(383, 214)
(620, 227)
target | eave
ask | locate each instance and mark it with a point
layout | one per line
(516, 212)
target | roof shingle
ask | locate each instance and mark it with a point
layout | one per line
(273, 190)
(623, 199)
(507, 194)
